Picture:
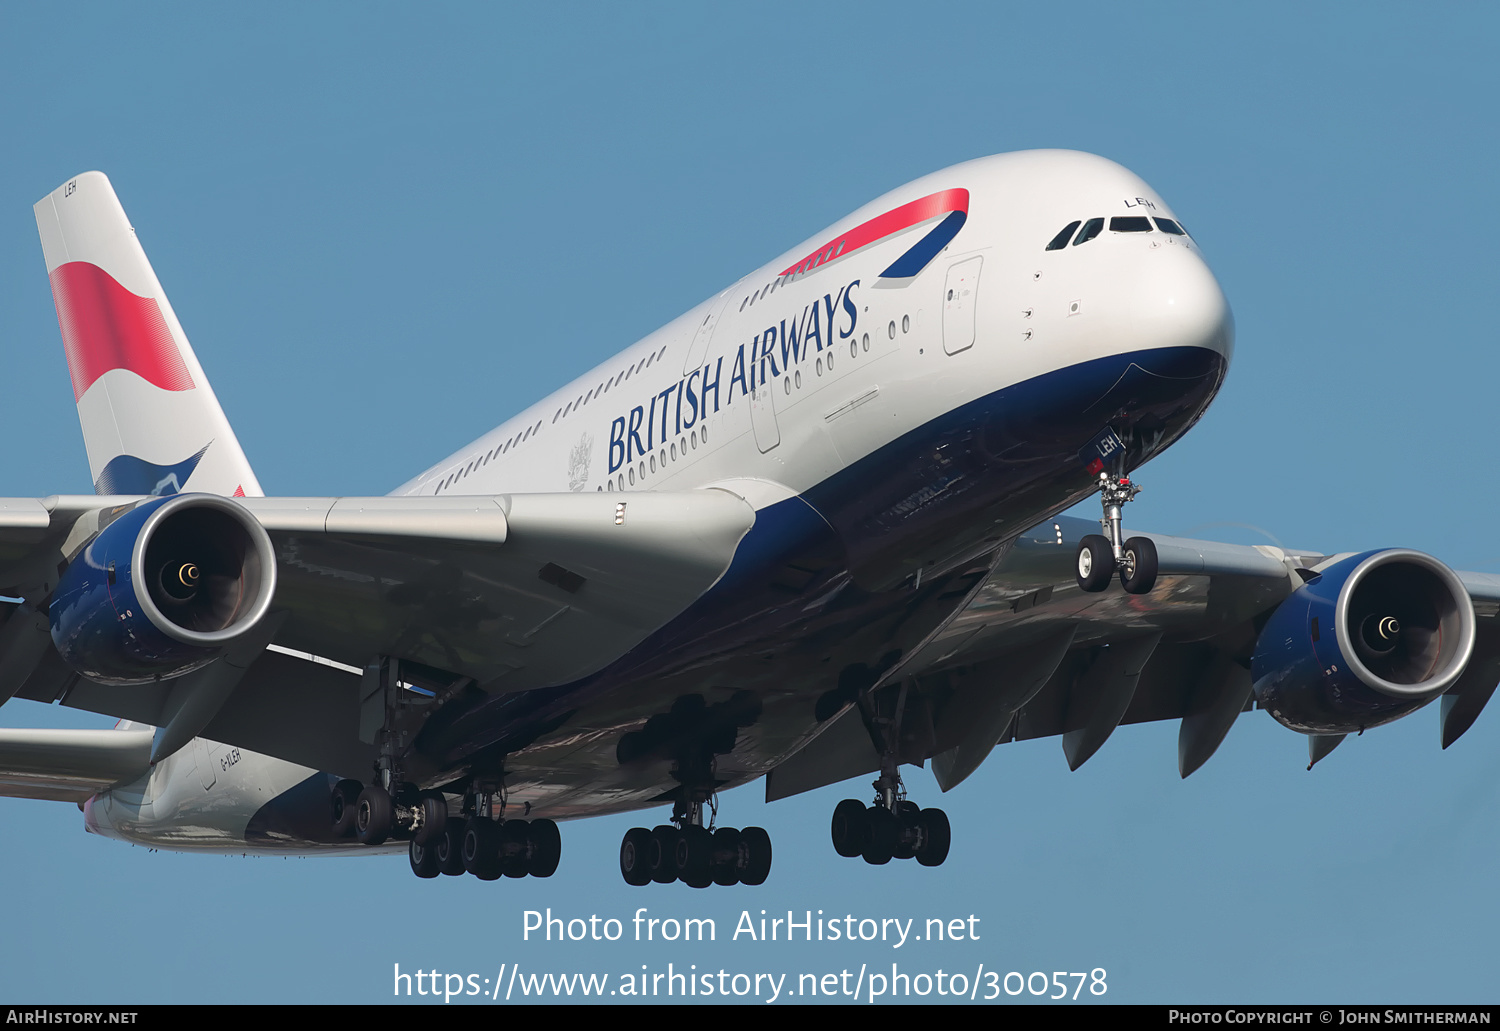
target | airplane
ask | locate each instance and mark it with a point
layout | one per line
(809, 530)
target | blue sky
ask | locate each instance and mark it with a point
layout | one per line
(386, 229)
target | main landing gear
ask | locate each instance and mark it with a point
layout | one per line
(899, 725)
(479, 841)
(695, 855)
(1099, 557)
(691, 848)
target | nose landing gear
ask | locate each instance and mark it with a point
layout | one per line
(1099, 557)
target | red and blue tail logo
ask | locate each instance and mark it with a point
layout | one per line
(105, 326)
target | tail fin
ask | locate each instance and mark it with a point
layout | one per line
(151, 423)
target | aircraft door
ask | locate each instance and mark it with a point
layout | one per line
(763, 411)
(960, 294)
(704, 334)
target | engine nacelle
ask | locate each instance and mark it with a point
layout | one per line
(1372, 638)
(163, 589)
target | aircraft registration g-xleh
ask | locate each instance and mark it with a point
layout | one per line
(807, 531)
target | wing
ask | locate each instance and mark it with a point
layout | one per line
(1034, 656)
(70, 765)
(501, 593)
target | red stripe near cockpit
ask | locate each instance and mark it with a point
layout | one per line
(881, 226)
(105, 326)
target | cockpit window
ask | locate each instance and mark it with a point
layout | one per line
(1130, 224)
(1061, 239)
(1166, 225)
(1092, 228)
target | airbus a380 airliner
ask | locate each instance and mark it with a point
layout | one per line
(807, 531)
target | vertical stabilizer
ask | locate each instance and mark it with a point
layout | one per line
(151, 422)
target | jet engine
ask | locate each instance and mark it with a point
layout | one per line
(1373, 637)
(163, 589)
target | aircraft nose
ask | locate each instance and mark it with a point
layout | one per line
(1176, 302)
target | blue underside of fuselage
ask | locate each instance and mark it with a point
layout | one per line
(957, 486)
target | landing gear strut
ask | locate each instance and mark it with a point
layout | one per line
(1099, 557)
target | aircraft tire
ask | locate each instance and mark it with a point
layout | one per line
(546, 847)
(482, 849)
(661, 854)
(694, 856)
(345, 802)
(756, 848)
(881, 844)
(374, 816)
(937, 836)
(515, 848)
(424, 860)
(633, 849)
(906, 830)
(450, 847)
(1138, 571)
(1095, 563)
(851, 828)
(726, 859)
(434, 818)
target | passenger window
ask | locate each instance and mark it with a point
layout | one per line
(1061, 239)
(1130, 224)
(1092, 228)
(1166, 225)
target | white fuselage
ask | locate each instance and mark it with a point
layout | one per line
(790, 379)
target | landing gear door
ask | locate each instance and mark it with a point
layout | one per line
(960, 294)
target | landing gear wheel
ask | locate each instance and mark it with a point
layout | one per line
(345, 803)
(906, 830)
(937, 835)
(515, 858)
(1096, 563)
(450, 847)
(694, 855)
(881, 844)
(851, 828)
(755, 846)
(424, 859)
(661, 854)
(374, 816)
(633, 851)
(482, 849)
(1138, 569)
(434, 818)
(726, 862)
(546, 847)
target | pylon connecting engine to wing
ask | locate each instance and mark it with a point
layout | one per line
(1373, 637)
(163, 589)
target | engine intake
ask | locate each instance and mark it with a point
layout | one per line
(163, 589)
(1374, 637)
